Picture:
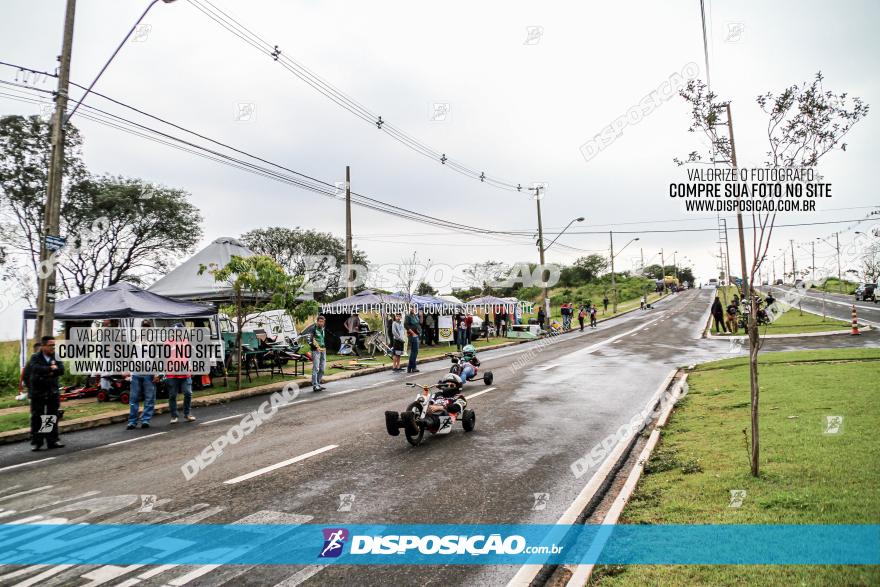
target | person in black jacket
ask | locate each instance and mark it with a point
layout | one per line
(44, 373)
(26, 372)
(718, 315)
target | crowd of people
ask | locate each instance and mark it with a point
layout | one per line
(730, 319)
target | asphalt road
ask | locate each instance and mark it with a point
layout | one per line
(532, 423)
(835, 305)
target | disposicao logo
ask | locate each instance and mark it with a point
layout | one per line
(334, 540)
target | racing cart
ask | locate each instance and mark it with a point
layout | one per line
(436, 409)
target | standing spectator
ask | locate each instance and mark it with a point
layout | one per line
(175, 384)
(593, 312)
(604, 305)
(718, 315)
(497, 318)
(142, 385)
(565, 310)
(413, 332)
(44, 373)
(25, 383)
(430, 326)
(581, 315)
(468, 324)
(542, 317)
(459, 330)
(397, 341)
(319, 353)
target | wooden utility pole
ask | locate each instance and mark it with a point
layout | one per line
(349, 287)
(839, 272)
(793, 264)
(814, 260)
(613, 282)
(52, 211)
(537, 189)
(752, 324)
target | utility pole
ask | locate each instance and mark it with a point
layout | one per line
(349, 289)
(839, 273)
(784, 270)
(814, 260)
(675, 263)
(752, 325)
(793, 263)
(537, 189)
(613, 282)
(774, 271)
(52, 211)
(662, 270)
(642, 254)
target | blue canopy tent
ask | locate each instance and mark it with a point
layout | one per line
(121, 301)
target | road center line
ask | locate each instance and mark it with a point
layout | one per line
(547, 367)
(470, 397)
(131, 440)
(27, 463)
(222, 419)
(271, 468)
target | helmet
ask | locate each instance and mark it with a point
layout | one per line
(469, 351)
(451, 381)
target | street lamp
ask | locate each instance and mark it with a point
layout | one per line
(55, 175)
(837, 247)
(613, 281)
(580, 219)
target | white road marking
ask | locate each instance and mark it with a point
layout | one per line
(27, 463)
(28, 492)
(547, 367)
(192, 575)
(221, 419)
(301, 576)
(131, 440)
(44, 575)
(270, 468)
(470, 397)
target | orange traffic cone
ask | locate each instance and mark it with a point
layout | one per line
(855, 322)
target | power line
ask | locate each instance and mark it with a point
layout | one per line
(334, 94)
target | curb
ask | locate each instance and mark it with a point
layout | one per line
(789, 335)
(87, 422)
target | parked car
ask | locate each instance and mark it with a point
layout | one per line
(778, 282)
(866, 292)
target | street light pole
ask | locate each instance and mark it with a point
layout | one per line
(55, 177)
(613, 282)
(52, 211)
(546, 290)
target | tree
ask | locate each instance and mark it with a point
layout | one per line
(305, 253)
(257, 283)
(425, 289)
(24, 166)
(124, 229)
(805, 123)
(584, 270)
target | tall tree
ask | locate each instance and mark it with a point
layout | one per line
(310, 254)
(24, 166)
(124, 229)
(805, 123)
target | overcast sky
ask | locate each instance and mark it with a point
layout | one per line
(520, 107)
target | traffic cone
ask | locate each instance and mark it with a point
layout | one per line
(855, 322)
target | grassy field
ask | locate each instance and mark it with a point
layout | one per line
(834, 285)
(808, 476)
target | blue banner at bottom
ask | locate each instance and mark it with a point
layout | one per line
(201, 544)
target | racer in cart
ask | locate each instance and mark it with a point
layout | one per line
(471, 362)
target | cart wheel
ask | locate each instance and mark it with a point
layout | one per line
(102, 396)
(123, 397)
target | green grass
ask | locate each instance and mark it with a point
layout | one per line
(834, 285)
(807, 477)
